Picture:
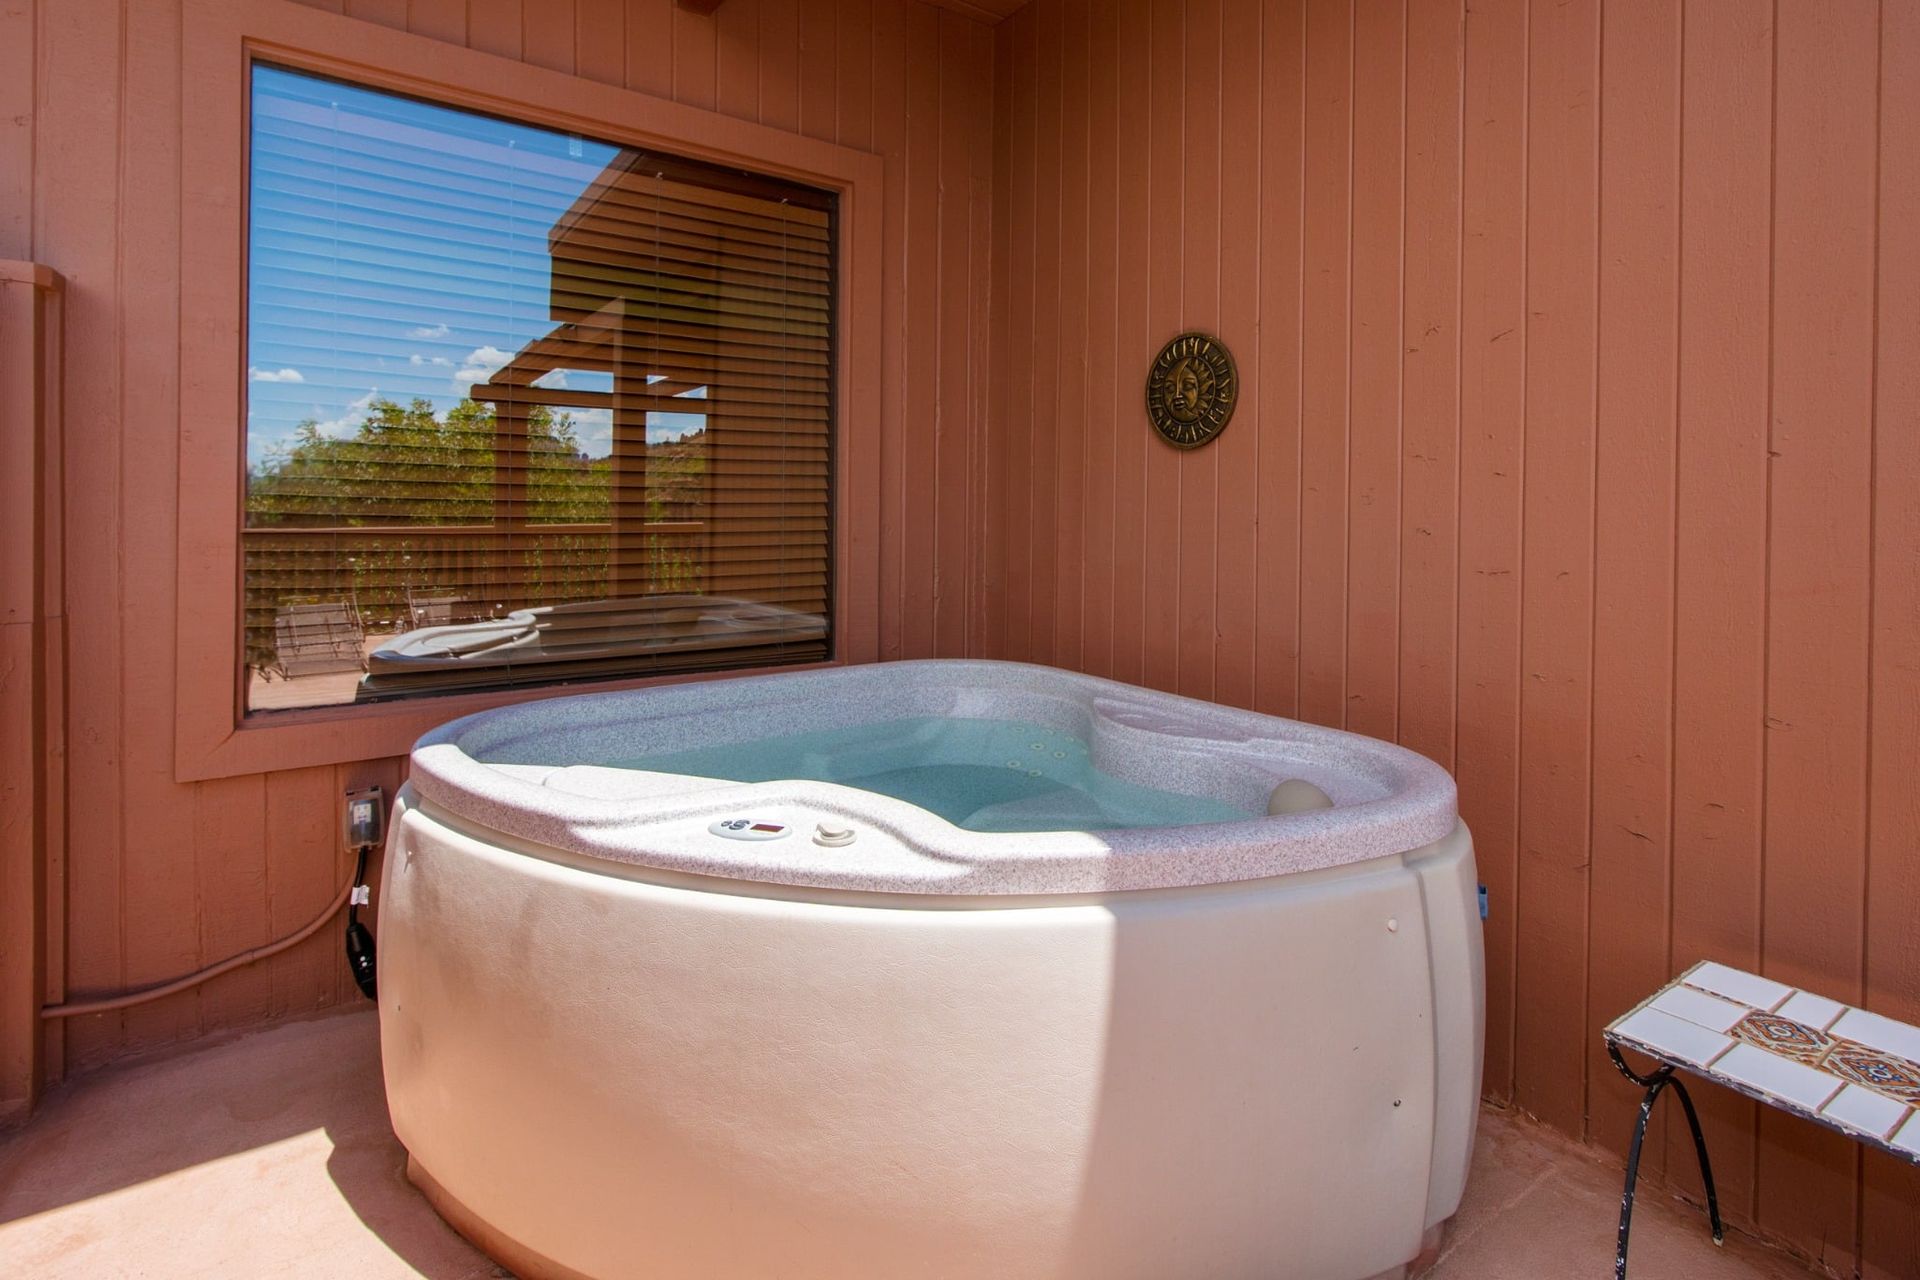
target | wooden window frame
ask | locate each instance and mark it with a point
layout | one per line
(213, 736)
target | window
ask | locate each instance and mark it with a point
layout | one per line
(523, 407)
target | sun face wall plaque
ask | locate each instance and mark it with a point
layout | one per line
(1191, 390)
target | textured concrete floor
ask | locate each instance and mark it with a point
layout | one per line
(270, 1156)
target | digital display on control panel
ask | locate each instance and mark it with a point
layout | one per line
(768, 826)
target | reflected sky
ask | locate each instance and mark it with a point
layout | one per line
(399, 249)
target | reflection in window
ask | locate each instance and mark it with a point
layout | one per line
(523, 407)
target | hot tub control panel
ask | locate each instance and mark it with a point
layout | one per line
(749, 828)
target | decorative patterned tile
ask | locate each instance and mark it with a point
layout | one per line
(1815, 1011)
(1892, 1075)
(1793, 1082)
(1785, 1037)
(1711, 1012)
(1865, 1110)
(1676, 1037)
(1747, 988)
(1877, 1032)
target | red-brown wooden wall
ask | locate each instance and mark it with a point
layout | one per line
(161, 878)
(1579, 448)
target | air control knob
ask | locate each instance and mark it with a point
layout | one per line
(833, 834)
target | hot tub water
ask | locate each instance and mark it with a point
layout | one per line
(980, 774)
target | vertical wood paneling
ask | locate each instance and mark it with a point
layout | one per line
(920, 447)
(1103, 347)
(1283, 84)
(81, 112)
(446, 19)
(1133, 336)
(890, 140)
(1556, 579)
(780, 60)
(1372, 603)
(1820, 567)
(695, 58)
(230, 862)
(18, 49)
(1043, 427)
(159, 877)
(995, 591)
(819, 92)
(952, 315)
(1068, 407)
(853, 58)
(493, 26)
(981, 215)
(162, 878)
(649, 43)
(547, 35)
(1578, 412)
(1194, 595)
(1493, 352)
(1166, 188)
(1890, 1238)
(1634, 532)
(736, 60)
(600, 39)
(1018, 428)
(1720, 552)
(1430, 381)
(302, 810)
(1326, 349)
(1522, 301)
(388, 13)
(1237, 583)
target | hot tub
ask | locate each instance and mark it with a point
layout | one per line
(930, 969)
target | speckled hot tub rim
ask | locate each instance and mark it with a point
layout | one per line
(1389, 800)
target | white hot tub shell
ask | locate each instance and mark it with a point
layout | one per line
(617, 1044)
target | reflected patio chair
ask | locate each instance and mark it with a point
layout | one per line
(314, 639)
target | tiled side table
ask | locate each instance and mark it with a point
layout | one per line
(1845, 1068)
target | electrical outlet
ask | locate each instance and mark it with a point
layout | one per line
(364, 818)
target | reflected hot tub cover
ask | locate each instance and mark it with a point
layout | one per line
(586, 638)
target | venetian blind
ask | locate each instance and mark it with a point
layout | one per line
(523, 406)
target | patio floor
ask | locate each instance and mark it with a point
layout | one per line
(270, 1155)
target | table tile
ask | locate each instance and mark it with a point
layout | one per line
(1864, 1109)
(1748, 988)
(1879, 1032)
(1698, 1007)
(1811, 1010)
(1687, 1041)
(1795, 1082)
(1908, 1138)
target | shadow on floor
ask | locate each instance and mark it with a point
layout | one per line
(146, 1152)
(271, 1155)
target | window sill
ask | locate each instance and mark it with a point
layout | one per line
(297, 739)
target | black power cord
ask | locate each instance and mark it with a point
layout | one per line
(360, 956)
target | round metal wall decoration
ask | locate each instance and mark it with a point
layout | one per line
(1191, 390)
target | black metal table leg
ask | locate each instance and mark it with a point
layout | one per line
(1653, 1084)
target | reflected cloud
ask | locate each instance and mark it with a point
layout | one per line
(481, 364)
(348, 422)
